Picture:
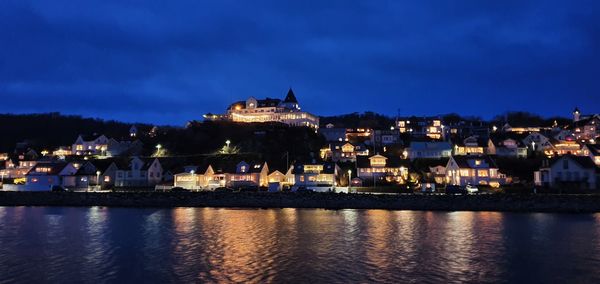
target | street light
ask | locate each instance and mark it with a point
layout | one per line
(193, 179)
(227, 143)
(98, 179)
(349, 179)
(158, 147)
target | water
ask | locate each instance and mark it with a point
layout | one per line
(43, 244)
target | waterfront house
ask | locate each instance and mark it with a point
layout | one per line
(45, 175)
(136, 172)
(473, 169)
(84, 178)
(197, 177)
(568, 171)
(315, 175)
(378, 168)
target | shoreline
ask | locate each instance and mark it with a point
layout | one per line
(546, 203)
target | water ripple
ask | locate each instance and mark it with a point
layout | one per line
(118, 245)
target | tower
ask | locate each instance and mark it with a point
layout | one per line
(576, 115)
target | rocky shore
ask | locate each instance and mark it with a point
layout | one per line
(489, 202)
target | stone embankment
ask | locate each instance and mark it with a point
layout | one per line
(487, 202)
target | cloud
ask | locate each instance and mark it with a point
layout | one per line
(168, 62)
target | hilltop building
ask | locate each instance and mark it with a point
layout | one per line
(286, 111)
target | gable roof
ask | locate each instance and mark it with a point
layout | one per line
(594, 149)
(463, 161)
(584, 161)
(290, 97)
(390, 162)
(55, 168)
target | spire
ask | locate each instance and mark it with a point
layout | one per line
(290, 98)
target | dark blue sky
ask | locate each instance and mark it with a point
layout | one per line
(168, 62)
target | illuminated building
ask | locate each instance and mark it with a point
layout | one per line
(503, 146)
(563, 147)
(381, 168)
(431, 127)
(103, 146)
(233, 174)
(584, 126)
(472, 145)
(315, 175)
(344, 151)
(269, 110)
(480, 169)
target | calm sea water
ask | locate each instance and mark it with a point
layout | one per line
(43, 244)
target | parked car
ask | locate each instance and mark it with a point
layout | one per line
(471, 189)
(179, 189)
(455, 189)
(58, 188)
(303, 189)
(223, 189)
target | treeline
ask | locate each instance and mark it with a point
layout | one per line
(379, 121)
(50, 130)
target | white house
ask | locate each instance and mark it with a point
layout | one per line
(507, 147)
(566, 171)
(138, 172)
(45, 175)
(538, 142)
(473, 169)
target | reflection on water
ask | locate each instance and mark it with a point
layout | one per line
(291, 245)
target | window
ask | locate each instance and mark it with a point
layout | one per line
(482, 173)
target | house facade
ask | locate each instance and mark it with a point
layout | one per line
(430, 127)
(313, 175)
(378, 168)
(507, 147)
(136, 172)
(45, 175)
(568, 171)
(473, 169)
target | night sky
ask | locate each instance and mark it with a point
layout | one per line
(167, 63)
